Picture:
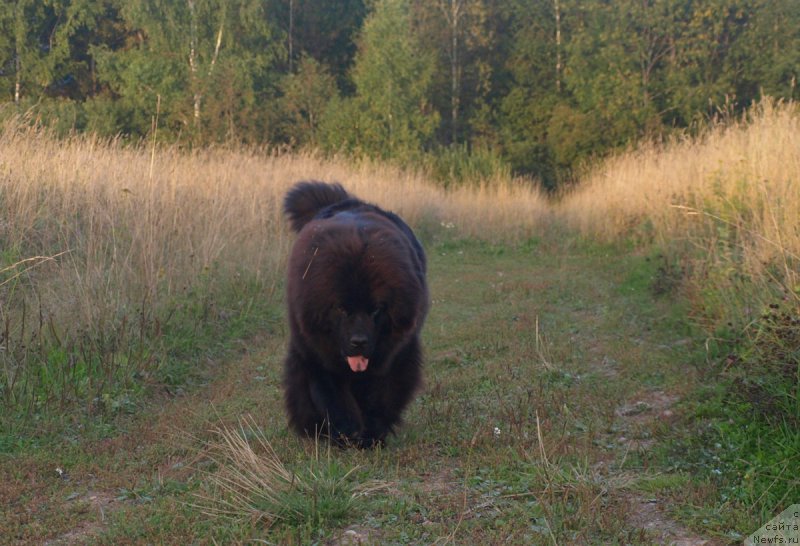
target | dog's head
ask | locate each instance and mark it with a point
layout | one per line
(355, 291)
(357, 332)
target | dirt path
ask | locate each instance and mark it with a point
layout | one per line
(553, 378)
(645, 512)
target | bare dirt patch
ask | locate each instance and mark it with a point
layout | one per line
(355, 536)
(648, 513)
(93, 507)
(636, 418)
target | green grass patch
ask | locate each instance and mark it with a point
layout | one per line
(531, 349)
(53, 383)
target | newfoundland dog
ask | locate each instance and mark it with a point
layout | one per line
(357, 299)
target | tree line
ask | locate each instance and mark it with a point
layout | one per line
(537, 86)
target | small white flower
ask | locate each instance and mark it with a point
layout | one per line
(496, 432)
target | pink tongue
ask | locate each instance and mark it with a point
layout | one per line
(357, 363)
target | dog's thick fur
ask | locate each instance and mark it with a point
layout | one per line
(357, 299)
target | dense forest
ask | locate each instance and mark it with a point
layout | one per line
(533, 86)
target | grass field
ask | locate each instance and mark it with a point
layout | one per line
(547, 393)
(593, 365)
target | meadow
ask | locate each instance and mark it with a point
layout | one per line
(620, 354)
(102, 244)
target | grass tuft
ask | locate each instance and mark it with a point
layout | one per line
(251, 484)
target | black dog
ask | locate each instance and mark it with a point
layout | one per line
(357, 299)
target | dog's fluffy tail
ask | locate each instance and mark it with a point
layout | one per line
(307, 198)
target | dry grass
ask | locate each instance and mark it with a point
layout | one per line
(115, 228)
(130, 231)
(725, 209)
(734, 192)
(250, 484)
(129, 225)
(98, 241)
(250, 478)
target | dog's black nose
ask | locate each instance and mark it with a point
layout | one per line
(358, 341)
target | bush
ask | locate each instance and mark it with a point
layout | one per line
(459, 165)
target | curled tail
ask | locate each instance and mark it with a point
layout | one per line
(307, 198)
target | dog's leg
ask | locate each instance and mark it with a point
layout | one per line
(334, 401)
(383, 399)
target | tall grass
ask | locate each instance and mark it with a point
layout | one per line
(733, 193)
(102, 246)
(725, 206)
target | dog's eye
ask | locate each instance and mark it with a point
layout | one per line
(380, 308)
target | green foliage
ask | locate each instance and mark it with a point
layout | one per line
(251, 482)
(459, 34)
(199, 65)
(322, 498)
(45, 49)
(456, 165)
(750, 456)
(575, 136)
(748, 416)
(547, 86)
(305, 99)
(766, 370)
(614, 64)
(758, 461)
(389, 117)
(527, 107)
(106, 371)
(143, 84)
(324, 31)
